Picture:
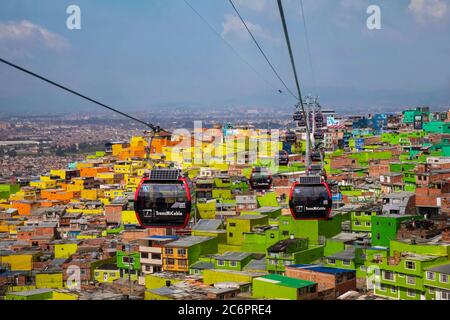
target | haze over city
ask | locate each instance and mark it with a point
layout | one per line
(158, 53)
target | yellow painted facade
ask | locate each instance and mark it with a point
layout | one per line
(49, 280)
(106, 276)
(65, 250)
(129, 217)
(18, 262)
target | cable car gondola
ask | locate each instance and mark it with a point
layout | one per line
(318, 135)
(316, 156)
(291, 137)
(298, 116)
(317, 170)
(260, 179)
(283, 158)
(310, 199)
(164, 200)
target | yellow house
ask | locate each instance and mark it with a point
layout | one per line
(50, 280)
(89, 194)
(43, 184)
(132, 182)
(113, 193)
(106, 273)
(123, 168)
(18, 262)
(65, 250)
(129, 217)
(26, 193)
(57, 295)
(84, 165)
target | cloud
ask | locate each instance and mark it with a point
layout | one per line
(233, 27)
(26, 32)
(425, 10)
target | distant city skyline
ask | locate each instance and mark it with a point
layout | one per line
(146, 54)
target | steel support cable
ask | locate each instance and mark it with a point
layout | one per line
(151, 126)
(294, 69)
(270, 84)
(261, 50)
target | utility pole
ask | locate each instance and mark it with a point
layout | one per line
(308, 146)
(129, 274)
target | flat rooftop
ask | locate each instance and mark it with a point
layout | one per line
(320, 268)
(285, 281)
(188, 241)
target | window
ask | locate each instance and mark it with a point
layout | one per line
(410, 293)
(368, 224)
(393, 289)
(233, 263)
(368, 213)
(285, 233)
(144, 255)
(431, 291)
(170, 262)
(97, 274)
(232, 224)
(411, 265)
(430, 275)
(382, 287)
(345, 262)
(445, 295)
(220, 263)
(168, 251)
(388, 275)
(112, 274)
(410, 280)
(357, 214)
(274, 262)
(332, 261)
(444, 278)
(363, 268)
(156, 256)
(230, 234)
(357, 223)
(181, 252)
(182, 263)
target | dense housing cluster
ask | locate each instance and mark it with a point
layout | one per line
(73, 233)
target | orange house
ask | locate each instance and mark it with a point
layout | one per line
(92, 171)
(24, 207)
(60, 195)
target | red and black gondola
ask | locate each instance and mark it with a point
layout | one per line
(165, 199)
(310, 199)
(283, 158)
(260, 179)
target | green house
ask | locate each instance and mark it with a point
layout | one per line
(361, 219)
(274, 286)
(232, 260)
(436, 282)
(437, 127)
(271, 212)
(36, 294)
(385, 227)
(403, 273)
(316, 231)
(128, 263)
(237, 226)
(8, 189)
(259, 240)
(289, 252)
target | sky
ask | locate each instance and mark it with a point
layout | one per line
(144, 54)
